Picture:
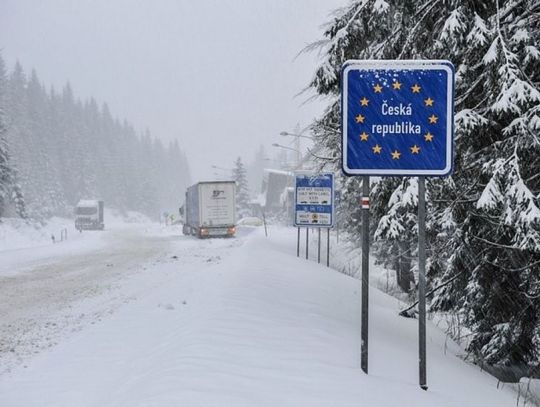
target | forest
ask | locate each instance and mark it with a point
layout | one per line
(56, 148)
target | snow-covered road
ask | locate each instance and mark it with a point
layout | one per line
(175, 321)
(50, 291)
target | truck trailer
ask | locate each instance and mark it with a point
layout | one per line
(89, 215)
(210, 209)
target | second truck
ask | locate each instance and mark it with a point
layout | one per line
(89, 215)
(210, 209)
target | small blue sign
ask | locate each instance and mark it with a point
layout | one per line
(314, 200)
(397, 118)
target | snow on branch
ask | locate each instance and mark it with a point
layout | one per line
(478, 36)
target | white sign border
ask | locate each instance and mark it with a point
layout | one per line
(447, 66)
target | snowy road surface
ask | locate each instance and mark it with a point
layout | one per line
(150, 318)
(43, 289)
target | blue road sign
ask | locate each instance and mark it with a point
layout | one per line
(397, 117)
(314, 200)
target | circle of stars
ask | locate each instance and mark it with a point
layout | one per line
(414, 149)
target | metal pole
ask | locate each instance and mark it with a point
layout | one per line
(422, 281)
(307, 242)
(264, 221)
(297, 148)
(298, 243)
(365, 272)
(319, 246)
(328, 247)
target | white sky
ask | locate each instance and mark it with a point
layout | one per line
(219, 76)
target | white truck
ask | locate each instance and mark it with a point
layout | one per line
(210, 209)
(89, 215)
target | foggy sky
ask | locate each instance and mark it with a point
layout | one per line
(219, 76)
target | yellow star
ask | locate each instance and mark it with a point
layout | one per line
(428, 136)
(377, 149)
(433, 119)
(377, 88)
(364, 136)
(416, 88)
(364, 101)
(396, 85)
(395, 155)
(360, 119)
(429, 102)
(415, 149)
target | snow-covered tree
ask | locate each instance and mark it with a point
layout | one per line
(10, 191)
(5, 170)
(66, 149)
(484, 222)
(398, 230)
(255, 170)
(242, 190)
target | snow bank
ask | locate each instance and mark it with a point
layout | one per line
(250, 326)
(16, 233)
(529, 391)
(346, 257)
(116, 217)
(26, 244)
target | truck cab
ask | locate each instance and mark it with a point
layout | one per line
(89, 215)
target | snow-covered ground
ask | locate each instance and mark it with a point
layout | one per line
(168, 320)
(346, 257)
(16, 233)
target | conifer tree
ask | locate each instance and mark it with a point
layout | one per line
(67, 149)
(398, 229)
(242, 190)
(10, 191)
(484, 221)
(255, 170)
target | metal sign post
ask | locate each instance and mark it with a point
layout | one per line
(328, 247)
(307, 243)
(298, 243)
(365, 273)
(319, 245)
(422, 282)
(397, 120)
